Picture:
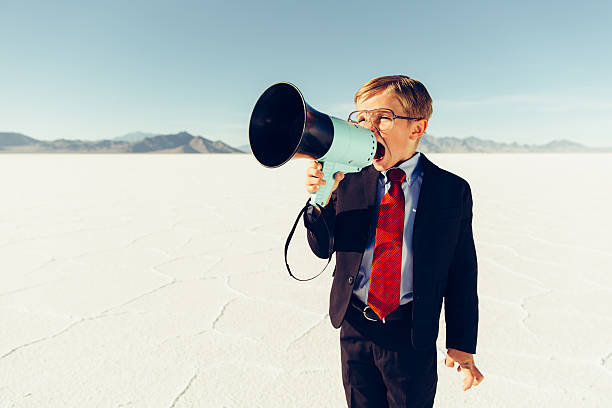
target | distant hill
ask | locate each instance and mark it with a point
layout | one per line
(15, 139)
(181, 143)
(245, 148)
(178, 143)
(134, 137)
(185, 142)
(431, 144)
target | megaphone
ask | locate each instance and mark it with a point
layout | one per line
(283, 126)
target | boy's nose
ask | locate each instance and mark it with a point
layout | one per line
(369, 125)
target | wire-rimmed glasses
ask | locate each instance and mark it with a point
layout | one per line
(382, 119)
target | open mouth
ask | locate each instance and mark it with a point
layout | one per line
(380, 151)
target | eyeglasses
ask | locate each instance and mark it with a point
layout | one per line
(382, 119)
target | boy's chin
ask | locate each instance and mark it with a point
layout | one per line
(381, 165)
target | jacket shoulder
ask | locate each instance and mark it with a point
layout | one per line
(446, 177)
(451, 190)
(453, 179)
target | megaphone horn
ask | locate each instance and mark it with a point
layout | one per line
(283, 126)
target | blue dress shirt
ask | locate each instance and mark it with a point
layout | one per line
(411, 188)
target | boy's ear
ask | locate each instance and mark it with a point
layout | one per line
(419, 128)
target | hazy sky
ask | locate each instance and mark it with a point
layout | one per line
(526, 71)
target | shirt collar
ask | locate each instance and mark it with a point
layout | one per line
(409, 166)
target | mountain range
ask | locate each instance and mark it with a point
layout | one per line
(138, 142)
(431, 144)
(184, 142)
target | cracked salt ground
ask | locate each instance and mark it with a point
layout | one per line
(125, 284)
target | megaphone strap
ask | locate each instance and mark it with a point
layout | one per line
(291, 236)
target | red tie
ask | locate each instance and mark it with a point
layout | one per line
(384, 293)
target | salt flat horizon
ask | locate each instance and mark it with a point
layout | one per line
(158, 281)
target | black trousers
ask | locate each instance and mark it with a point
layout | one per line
(381, 368)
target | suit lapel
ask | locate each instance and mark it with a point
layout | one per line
(426, 194)
(369, 187)
(419, 252)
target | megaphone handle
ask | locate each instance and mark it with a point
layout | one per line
(329, 169)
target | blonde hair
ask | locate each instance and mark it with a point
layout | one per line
(412, 94)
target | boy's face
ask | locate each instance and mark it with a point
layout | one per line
(400, 142)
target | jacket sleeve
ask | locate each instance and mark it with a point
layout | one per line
(319, 223)
(461, 298)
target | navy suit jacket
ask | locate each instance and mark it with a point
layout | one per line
(445, 264)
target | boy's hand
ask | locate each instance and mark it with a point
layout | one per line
(314, 178)
(472, 375)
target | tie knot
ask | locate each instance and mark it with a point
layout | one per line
(396, 175)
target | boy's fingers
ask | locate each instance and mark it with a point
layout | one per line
(314, 181)
(478, 377)
(473, 377)
(315, 165)
(314, 178)
(314, 172)
(468, 380)
(449, 362)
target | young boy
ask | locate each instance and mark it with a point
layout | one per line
(402, 232)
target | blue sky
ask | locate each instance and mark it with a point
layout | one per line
(523, 71)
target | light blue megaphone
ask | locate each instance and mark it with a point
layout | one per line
(283, 126)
